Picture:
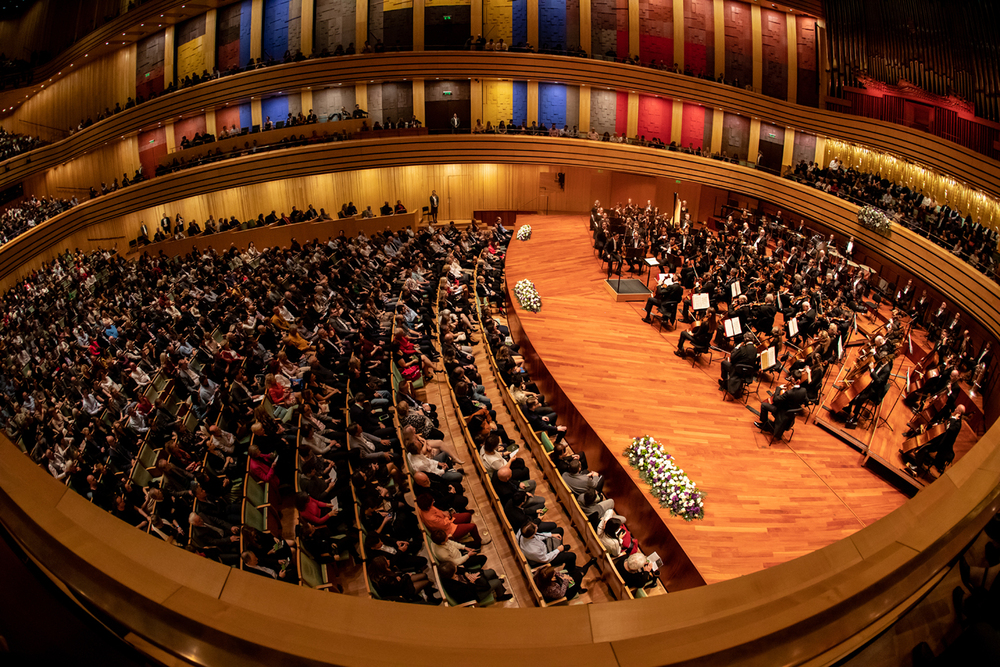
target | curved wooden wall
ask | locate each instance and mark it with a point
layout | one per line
(812, 610)
(943, 156)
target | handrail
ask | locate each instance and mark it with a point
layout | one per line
(812, 608)
(945, 157)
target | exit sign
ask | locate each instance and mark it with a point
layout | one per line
(446, 93)
(771, 135)
(446, 18)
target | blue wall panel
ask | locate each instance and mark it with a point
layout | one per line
(520, 102)
(246, 116)
(246, 10)
(552, 23)
(275, 107)
(520, 17)
(552, 104)
(275, 35)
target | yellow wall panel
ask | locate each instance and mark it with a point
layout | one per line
(391, 5)
(191, 57)
(498, 19)
(498, 101)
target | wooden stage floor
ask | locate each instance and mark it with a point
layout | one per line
(764, 506)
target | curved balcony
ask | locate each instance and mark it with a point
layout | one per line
(817, 608)
(943, 156)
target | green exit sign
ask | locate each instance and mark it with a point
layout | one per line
(772, 135)
(446, 93)
(446, 18)
(147, 74)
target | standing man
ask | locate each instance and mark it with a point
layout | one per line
(454, 122)
(435, 200)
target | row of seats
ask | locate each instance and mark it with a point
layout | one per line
(543, 451)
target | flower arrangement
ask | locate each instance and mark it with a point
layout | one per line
(667, 482)
(527, 295)
(874, 219)
(524, 233)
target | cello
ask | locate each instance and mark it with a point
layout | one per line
(911, 445)
(850, 392)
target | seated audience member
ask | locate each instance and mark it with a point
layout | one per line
(463, 585)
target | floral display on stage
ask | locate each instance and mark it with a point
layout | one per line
(667, 482)
(524, 233)
(527, 295)
(874, 219)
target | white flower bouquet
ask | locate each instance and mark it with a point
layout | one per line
(527, 295)
(667, 482)
(874, 219)
(524, 233)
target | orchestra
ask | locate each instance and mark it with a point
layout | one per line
(755, 266)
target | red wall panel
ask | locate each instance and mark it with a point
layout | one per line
(693, 126)
(655, 116)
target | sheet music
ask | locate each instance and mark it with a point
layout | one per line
(733, 327)
(700, 301)
(769, 358)
(651, 261)
(793, 327)
(664, 279)
(736, 289)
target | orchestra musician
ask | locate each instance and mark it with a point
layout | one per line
(700, 333)
(951, 391)
(741, 365)
(880, 371)
(786, 400)
(667, 291)
(940, 451)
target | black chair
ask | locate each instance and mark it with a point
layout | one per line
(746, 375)
(699, 348)
(790, 429)
(668, 311)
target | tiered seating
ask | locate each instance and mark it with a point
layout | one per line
(542, 449)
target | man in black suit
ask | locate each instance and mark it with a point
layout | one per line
(941, 450)
(741, 364)
(435, 200)
(765, 315)
(612, 254)
(881, 371)
(784, 402)
(385, 209)
(666, 292)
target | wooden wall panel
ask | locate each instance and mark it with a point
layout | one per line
(77, 176)
(90, 88)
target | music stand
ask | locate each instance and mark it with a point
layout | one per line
(650, 263)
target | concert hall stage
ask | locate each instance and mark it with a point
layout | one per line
(612, 376)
